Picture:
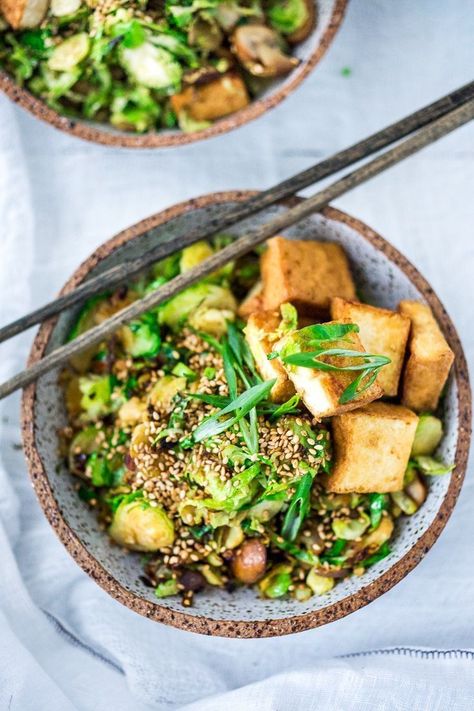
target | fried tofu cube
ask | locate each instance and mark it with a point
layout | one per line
(321, 390)
(371, 449)
(212, 100)
(381, 332)
(429, 358)
(305, 273)
(258, 331)
(253, 302)
(22, 14)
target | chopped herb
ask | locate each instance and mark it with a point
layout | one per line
(198, 532)
(334, 556)
(181, 370)
(214, 425)
(289, 319)
(380, 554)
(215, 400)
(304, 556)
(288, 407)
(318, 337)
(229, 369)
(377, 504)
(86, 493)
(101, 474)
(126, 498)
(298, 508)
(130, 385)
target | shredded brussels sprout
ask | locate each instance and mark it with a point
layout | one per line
(139, 66)
(176, 443)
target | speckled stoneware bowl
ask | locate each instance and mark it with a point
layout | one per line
(384, 277)
(330, 14)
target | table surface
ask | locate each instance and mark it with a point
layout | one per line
(62, 197)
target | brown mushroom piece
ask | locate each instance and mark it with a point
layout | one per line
(261, 51)
(417, 490)
(212, 100)
(249, 561)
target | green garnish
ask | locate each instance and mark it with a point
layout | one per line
(304, 556)
(86, 493)
(333, 555)
(198, 532)
(126, 498)
(286, 408)
(289, 319)
(229, 369)
(379, 554)
(214, 425)
(298, 508)
(377, 504)
(319, 337)
(181, 370)
(101, 475)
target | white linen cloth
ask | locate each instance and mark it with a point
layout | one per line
(64, 643)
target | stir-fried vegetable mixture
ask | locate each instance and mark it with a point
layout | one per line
(176, 439)
(148, 65)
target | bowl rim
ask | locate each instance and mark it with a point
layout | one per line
(93, 133)
(247, 628)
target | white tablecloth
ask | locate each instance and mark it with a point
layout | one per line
(64, 644)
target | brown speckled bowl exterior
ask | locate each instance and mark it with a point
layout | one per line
(384, 276)
(330, 16)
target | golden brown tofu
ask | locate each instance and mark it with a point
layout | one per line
(321, 390)
(305, 273)
(212, 100)
(372, 447)
(257, 331)
(429, 358)
(21, 14)
(381, 332)
(253, 301)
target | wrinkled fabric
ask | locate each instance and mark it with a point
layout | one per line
(64, 643)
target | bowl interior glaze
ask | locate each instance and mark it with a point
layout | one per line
(383, 277)
(309, 52)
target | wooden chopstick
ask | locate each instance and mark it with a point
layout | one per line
(119, 274)
(427, 135)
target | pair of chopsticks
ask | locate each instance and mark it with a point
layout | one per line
(427, 125)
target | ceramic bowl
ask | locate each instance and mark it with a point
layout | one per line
(384, 277)
(309, 52)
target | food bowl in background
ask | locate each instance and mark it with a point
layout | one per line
(384, 277)
(330, 14)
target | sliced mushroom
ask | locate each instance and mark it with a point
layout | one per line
(212, 100)
(202, 75)
(417, 490)
(259, 49)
